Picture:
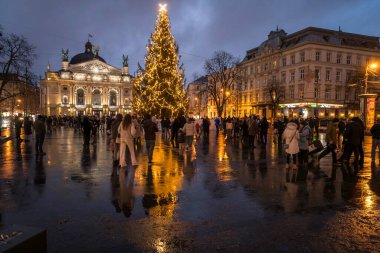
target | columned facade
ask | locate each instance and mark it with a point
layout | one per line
(86, 85)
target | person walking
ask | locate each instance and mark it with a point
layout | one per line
(290, 139)
(306, 136)
(375, 132)
(86, 128)
(150, 129)
(206, 127)
(115, 140)
(341, 129)
(354, 135)
(27, 128)
(253, 129)
(18, 126)
(40, 131)
(331, 140)
(264, 125)
(127, 131)
(189, 130)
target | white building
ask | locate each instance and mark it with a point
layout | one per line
(86, 85)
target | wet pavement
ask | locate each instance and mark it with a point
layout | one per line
(217, 198)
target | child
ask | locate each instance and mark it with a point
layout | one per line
(181, 139)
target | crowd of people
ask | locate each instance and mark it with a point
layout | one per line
(296, 137)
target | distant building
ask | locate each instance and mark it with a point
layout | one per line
(86, 85)
(21, 97)
(309, 72)
(198, 100)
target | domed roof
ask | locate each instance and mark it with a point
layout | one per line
(88, 55)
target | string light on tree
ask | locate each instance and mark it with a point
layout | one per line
(160, 87)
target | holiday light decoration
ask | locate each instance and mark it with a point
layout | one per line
(160, 87)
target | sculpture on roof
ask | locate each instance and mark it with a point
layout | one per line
(65, 55)
(125, 61)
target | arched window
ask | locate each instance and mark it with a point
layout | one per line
(96, 97)
(80, 97)
(65, 100)
(113, 98)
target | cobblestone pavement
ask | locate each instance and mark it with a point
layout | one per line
(218, 197)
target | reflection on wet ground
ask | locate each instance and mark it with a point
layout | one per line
(218, 197)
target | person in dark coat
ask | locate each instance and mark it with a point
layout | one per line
(40, 131)
(375, 132)
(175, 127)
(264, 125)
(354, 135)
(114, 140)
(27, 128)
(18, 126)
(86, 128)
(150, 129)
(206, 127)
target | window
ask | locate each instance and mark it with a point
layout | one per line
(328, 75)
(292, 76)
(257, 96)
(301, 92)
(80, 97)
(284, 61)
(283, 77)
(302, 57)
(266, 67)
(328, 57)
(96, 97)
(317, 73)
(302, 74)
(250, 98)
(113, 98)
(348, 59)
(338, 58)
(251, 69)
(338, 91)
(244, 99)
(317, 56)
(293, 59)
(358, 60)
(64, 88)
(197, 87)
(65, 100)
(328, 92)
(291, 92)
(316, 92)
(348, 76)
(338, 76)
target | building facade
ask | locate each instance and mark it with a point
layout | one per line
(309, 73)
(312, 72)
(87, 85)
(198, 98)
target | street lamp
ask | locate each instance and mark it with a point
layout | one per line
(273, 95)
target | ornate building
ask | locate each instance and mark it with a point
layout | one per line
(313, 71)
(87, 85)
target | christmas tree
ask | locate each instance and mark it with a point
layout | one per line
(159, 89)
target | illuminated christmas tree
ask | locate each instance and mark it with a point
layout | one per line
(160, 87)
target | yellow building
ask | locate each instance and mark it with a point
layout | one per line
(87, 85)
(309, 72)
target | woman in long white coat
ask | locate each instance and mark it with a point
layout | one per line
(126, 139)
(290, 137)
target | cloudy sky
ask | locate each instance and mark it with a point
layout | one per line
(199, 26)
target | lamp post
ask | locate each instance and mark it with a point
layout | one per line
(273, 95)
(368, 100)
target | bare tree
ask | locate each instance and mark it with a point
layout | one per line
(16, 56)
(275, 93)
(223, 73)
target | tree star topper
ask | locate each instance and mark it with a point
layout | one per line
(162, 7)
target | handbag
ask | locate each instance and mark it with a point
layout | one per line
(315, 147)
(286, 145)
